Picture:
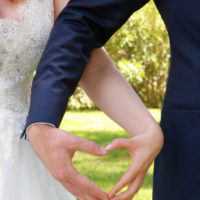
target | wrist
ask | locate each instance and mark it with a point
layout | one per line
(152, 133)
(38, 128)
(156, 135)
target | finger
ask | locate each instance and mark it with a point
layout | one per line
(90, 147)
(132, 189)
(83, 187)
(125, 180)
(80, 144)
(84, 190)
(118, 143)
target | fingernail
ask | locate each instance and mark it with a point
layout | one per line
(108, 147)
(103, 150)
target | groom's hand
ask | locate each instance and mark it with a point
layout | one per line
(56, 149)
(143, 148)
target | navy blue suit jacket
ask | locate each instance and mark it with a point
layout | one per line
(82, 26)
(87, 24)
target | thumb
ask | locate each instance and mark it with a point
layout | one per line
(117, 144)
(90, 147)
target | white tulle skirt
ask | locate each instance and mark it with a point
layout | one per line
(22, 175)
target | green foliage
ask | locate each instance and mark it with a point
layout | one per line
(140, 50)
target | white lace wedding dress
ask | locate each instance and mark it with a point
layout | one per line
(22, 174)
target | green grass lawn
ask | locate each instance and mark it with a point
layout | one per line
(104, 171)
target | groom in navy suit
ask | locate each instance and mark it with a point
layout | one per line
(87, 24)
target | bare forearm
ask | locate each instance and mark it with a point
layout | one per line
(105, 85)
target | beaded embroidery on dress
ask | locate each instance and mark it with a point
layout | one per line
(22, 174)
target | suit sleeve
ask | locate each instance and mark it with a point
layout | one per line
(81, 26)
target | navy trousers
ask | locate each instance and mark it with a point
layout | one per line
(87, 24)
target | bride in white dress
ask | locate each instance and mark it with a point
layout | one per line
(22, 41)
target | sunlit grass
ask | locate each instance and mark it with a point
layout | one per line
(104, 171)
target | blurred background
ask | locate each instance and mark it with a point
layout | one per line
(140, 50)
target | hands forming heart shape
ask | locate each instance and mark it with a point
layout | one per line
(56, 149)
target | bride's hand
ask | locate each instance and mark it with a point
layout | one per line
(143, 148)
(56, 149)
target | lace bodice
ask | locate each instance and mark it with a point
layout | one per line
(22, 174)
(21, 46)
